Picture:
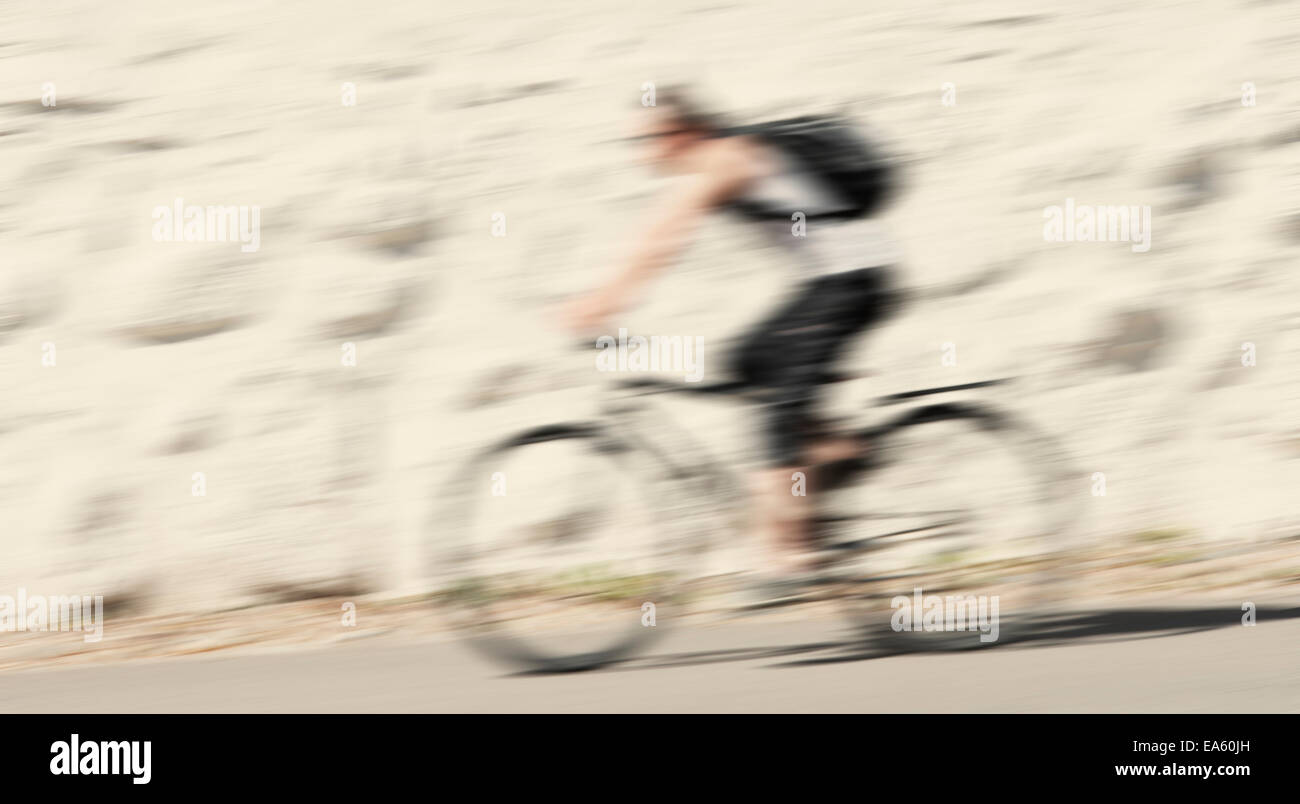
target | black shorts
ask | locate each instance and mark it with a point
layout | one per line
(789, 353)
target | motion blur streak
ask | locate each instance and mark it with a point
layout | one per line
(300, 309)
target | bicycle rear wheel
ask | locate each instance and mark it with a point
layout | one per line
(953, 533)
(553, 553)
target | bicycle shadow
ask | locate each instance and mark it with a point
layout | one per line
(1111, 625)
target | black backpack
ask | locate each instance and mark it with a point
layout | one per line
(852, 166)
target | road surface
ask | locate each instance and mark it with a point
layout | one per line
(1119, 661)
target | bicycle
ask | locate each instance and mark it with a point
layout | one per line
(542, 609)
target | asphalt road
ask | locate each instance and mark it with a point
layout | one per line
(1185, 660)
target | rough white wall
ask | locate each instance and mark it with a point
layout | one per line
(177, 358)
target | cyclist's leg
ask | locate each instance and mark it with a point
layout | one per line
(870, 297)
(758, 361)
(789, 354)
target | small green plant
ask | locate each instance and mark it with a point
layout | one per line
(1159, 535)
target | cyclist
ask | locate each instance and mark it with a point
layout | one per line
(839, 288)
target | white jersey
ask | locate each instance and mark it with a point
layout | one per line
(821, 246)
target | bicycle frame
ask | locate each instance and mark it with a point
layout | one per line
(697, 500)
(696, 489)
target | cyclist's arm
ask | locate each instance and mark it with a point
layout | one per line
(675, 220)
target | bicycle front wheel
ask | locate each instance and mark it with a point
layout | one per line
(553, 557)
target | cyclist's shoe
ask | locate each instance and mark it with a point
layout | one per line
(832, 475)
(838, 461)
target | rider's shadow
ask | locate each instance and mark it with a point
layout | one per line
(1111, 625)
